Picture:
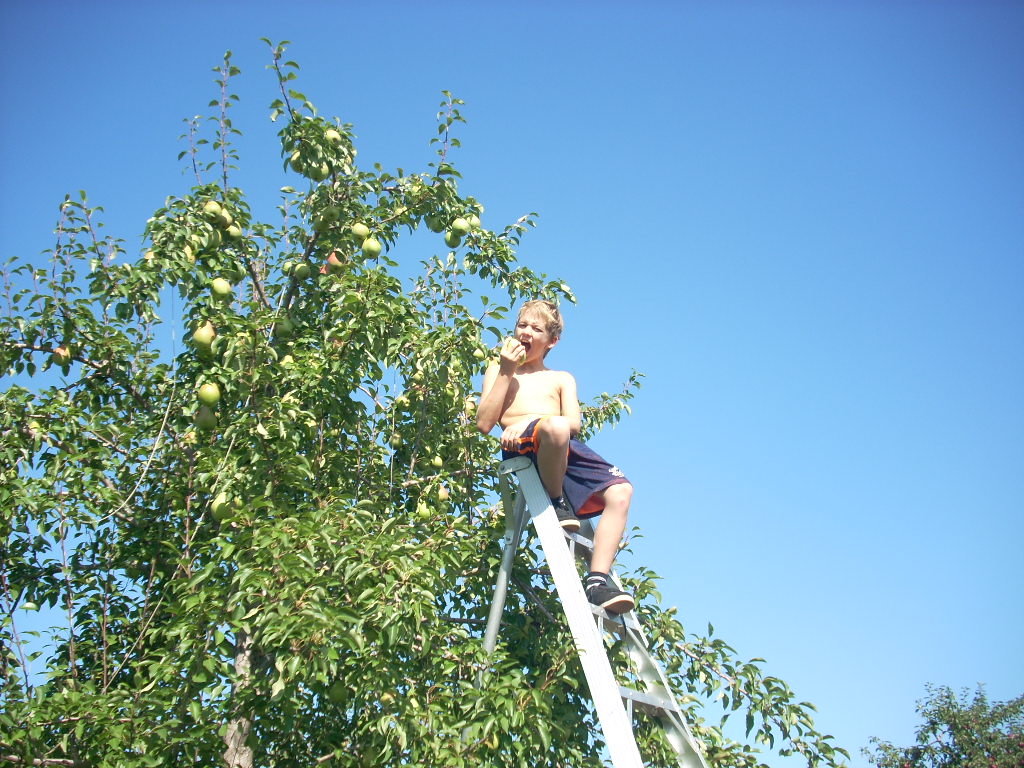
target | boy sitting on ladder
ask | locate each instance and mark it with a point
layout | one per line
(540, 415)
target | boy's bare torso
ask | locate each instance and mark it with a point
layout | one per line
(532, 395)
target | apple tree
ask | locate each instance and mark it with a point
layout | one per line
(243, 489)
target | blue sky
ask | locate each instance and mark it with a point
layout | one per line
(804, 222)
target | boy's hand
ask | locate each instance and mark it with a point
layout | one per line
(513, 353)
(511, 434)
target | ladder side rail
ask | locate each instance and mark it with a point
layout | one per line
(515, 521)
(604, 690)
(648, 670)
(654, 677)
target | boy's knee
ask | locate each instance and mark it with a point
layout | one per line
(555, 429)
(620, 493)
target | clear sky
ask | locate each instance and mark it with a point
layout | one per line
(803, 221)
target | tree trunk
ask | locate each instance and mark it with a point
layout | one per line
(238, 753)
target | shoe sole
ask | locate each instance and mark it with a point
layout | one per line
(570, 525)
(618, 604)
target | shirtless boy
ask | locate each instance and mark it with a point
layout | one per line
(540, 416)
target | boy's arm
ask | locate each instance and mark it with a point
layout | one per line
(570, 403)
(496, 383)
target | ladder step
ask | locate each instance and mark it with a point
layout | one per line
(616, 623)
(579, 541)
(648, 702)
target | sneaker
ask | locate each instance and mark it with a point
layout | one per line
(566, 517)
(609, 597)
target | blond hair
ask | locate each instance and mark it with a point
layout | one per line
(548, 312)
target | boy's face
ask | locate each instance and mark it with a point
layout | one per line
(532, 333)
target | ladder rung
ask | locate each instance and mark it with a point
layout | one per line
(580, 541)
(617, 622)
(647, 702)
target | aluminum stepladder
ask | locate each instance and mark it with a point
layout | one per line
(589, 625)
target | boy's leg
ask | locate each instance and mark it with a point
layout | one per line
(552, 435)
(601, 590)
(611, 527)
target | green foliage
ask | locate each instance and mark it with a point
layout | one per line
(959, 732)
(293, 571)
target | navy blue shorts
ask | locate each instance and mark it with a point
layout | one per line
(586, 476)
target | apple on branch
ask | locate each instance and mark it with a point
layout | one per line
(221, 289)
(360, 230)
(209, 393)
(371, 248)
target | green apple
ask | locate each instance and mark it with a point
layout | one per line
(224, 219)
(333, 137)
(360, 230)
(295, 161)
(423, 512)
(61, 356)
(205, 418)
(233, 232)
(301, 271)
(434, 222)
(337, 693)
(221, 288)
(479, 354)
(443, 493)
(284, 328)
(221, 506)
(437, 462)
(320, 172)
(474, 221)
(396, 440)
(326, 218)
(460, 226)
(371, 248)
(212, 210)
(29, 606)
(453, 239)
(214, 239)
(288, 266)
(209, 393)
